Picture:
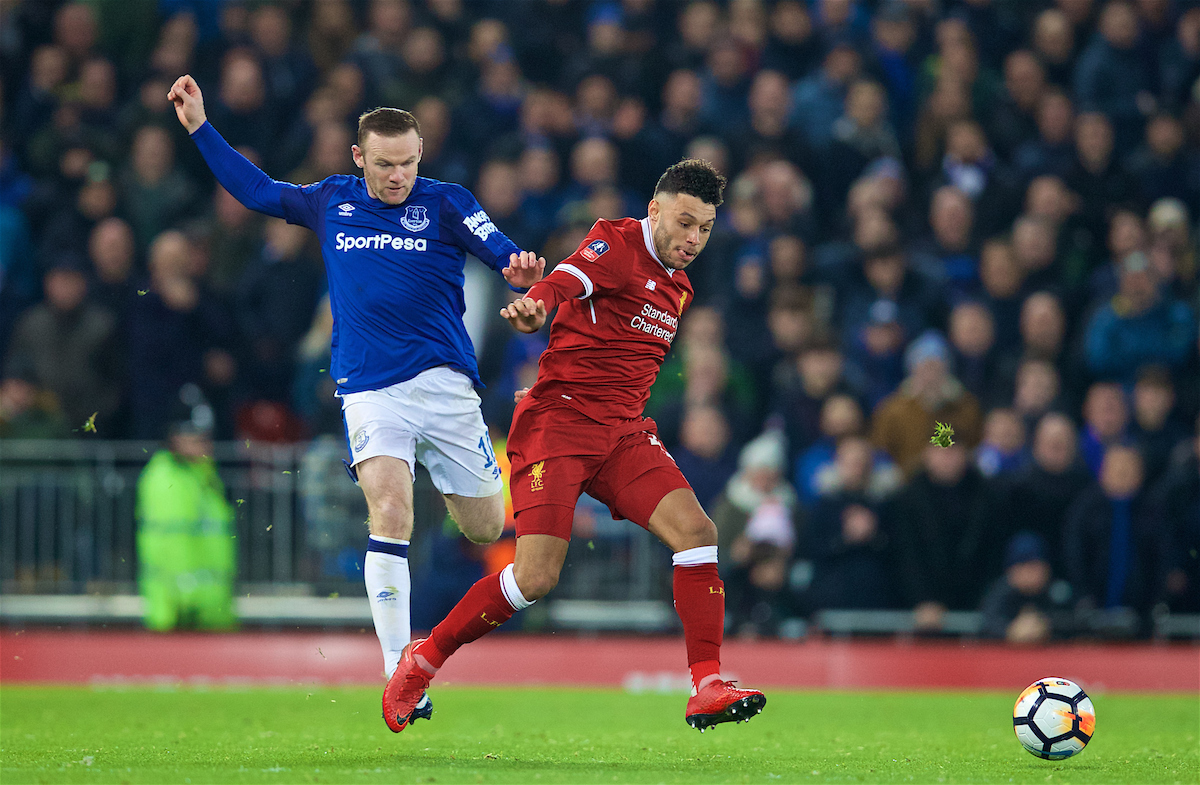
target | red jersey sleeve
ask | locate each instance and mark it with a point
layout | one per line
(600, 264)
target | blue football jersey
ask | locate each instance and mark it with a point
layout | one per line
(396, 275)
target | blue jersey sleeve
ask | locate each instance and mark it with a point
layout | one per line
(251, 186)
(469, 224)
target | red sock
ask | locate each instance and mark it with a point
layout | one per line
(700, 603)
(481, 610)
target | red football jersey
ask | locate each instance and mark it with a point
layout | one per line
(618, 312)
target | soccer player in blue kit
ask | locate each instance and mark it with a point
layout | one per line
(394, 246)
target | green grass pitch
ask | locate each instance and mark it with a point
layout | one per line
(286, 735)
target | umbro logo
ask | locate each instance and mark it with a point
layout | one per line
(651, 284)
(345, 208)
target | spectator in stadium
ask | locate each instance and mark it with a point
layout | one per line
(1112, 74)
(1025, 606)
(235, 239)
(1042, 491)
(860, 135)
(1138, 326)
(1163, 164)
(1013, 119)
(1126, 235)
(818, 99)
(242, 107)
(1002, 451)
(876, 353)
(178, 333)
(1096, 175)
(1106, 422)
(972, 344)
(154, 193)
(1175, 503)
(792, 46)
(1053, 37)
(886, 275)
(1179, 61)
(849, 536)
(894, 36)
(1000, 281)
(799, 392)
(841, 417)
(1154, 428)
(1036, 390)
(1108, 539)
(28, 411)
(111, 251)
(187, 557)
(706, 454)
(275, 302)
(1052, 151)
(1034, 243)
(69, 345)
(768, 132)
(949, 535)
(756, 527)
(1173, 253)
(903, 422)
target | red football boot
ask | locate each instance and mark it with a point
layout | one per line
(720, 701)
(404, 690)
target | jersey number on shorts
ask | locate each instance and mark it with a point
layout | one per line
(485, 444)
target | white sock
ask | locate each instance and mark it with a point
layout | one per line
(385, 572)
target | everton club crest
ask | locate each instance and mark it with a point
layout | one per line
(415, 218)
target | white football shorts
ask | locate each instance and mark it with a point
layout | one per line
(433, 418)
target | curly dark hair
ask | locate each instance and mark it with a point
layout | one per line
(695, 177)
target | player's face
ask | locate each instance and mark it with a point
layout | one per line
(389, 165)
(681, 224)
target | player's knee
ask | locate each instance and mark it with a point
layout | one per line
(483, 523)
(390, 517)
(698, 530)
(536, 582)
(484, 532)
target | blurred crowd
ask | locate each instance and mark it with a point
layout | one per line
(976, 212)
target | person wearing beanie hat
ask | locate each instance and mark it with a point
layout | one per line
(1025, 606)
(755, 526)
(903, 421)
(187, 558)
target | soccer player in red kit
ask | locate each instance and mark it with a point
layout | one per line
(580, 429)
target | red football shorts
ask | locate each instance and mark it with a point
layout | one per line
(557, 454)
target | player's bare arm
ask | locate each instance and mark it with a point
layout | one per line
(189, 102)
(525, 315)
(524, 269)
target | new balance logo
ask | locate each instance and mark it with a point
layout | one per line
(345, 209)
(651, 284)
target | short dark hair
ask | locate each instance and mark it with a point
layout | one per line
(386, 121)
(694, 177)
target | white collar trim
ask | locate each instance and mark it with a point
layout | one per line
(648, 239)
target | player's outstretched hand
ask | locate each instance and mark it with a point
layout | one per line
(524, 269)
(525, 315)
(189, 102)
(519, 394)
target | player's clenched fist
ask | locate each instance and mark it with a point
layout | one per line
(524, 269)
(525, 315)
(189, 102)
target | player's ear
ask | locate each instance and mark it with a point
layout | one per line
(356, 153)
(420, 148)
(652, 209)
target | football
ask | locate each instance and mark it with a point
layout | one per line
(1054, 718)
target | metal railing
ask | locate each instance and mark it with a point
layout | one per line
(68, 526)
